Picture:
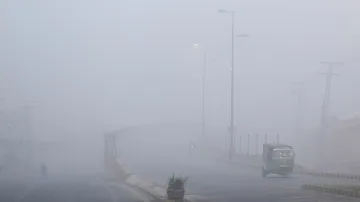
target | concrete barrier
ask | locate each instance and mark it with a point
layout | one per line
(330, 175)
(114, 169)
(256, 162)
(351, 191)
(147, 185)
(121, 172)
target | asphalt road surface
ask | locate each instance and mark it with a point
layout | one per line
(67, 188)
(214, 181)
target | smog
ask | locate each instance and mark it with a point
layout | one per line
(110, 95)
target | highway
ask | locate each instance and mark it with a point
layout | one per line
(67, 188)
(212, 180)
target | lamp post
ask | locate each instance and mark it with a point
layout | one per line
(231, 127)
(203, 125)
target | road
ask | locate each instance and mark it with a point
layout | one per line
(67, 188)
(212, 181)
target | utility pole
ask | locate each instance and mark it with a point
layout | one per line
(232, 90)
(248, 145)
(298, 92)
(203, 99)
(325, 107)
(257, 144)
(240, 145)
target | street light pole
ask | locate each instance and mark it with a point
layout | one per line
(232, 88)
(231, 129)
(203, 125)
(203, 132)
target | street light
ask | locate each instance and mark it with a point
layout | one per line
(231, 129)
(203, 133)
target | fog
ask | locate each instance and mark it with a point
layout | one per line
(88, 67)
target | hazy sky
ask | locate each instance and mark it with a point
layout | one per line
(90, 65)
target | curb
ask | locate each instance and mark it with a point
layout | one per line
(140, 182)
(115, 169)
(351, 191)
(146, 185)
